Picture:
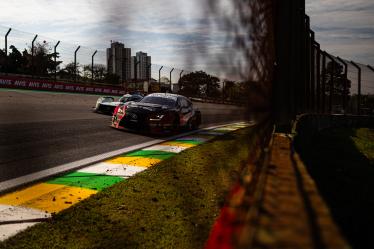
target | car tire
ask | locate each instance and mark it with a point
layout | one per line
(176, 124)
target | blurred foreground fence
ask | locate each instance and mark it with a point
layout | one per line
(311, 80)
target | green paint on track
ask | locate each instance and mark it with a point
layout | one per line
(86, 180)
(157, 154)
(188, 141)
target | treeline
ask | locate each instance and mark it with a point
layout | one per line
(42, 64)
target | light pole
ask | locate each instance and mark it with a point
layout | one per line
(75, 63)
(55, 57)
(92, 66)
(171, 84)
(32, 56)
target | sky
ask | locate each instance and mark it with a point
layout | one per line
(174, 31)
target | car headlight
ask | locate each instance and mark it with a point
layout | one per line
(157, 117)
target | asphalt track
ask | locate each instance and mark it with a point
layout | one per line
(40, 130)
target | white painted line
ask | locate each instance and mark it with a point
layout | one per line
(17, 214)
(17, 182)
(199, 139)
(121, 170)
(167, 148)
(211, 133)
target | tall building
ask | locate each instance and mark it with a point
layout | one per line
(143, 68)
(119, 61)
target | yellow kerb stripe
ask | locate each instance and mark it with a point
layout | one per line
(134, 161)
(24, 195)
(59, 199)
(180, 144)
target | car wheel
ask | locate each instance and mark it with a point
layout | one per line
(176, 124)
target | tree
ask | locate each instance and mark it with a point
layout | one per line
(339, 80)
(199, 83)
(99, 72)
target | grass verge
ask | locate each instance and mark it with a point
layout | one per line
(172, 205)
(341, 161)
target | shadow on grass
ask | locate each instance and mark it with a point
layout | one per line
(345, 179)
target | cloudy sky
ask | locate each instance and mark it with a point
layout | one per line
(174, 31)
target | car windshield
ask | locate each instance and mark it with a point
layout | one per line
(159, 100)
(107, 99)
(124, 99)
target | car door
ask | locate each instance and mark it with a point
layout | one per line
(185, 111)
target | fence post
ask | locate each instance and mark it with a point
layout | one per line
(179, 81)
(308, 62)
(331, 88)
(323, 81)
(345, 88)
(92, 66)
(312, 71)
(75, 63)
(6, 49)
(171, 84)
(55, 58)
(359, 87)
(159, 77)
(32, 56)
(370, 67)
(318, 87)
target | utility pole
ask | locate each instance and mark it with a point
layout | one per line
(92, 66)
(55, 58)
(75, 63)
(32, 56)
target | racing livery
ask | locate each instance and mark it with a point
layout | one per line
(106, 104)
(157, 112)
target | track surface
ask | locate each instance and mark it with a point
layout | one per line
(40, 130)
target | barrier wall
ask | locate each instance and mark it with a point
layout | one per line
(45, 85)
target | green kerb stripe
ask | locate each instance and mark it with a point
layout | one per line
(188, 141)
(86, 180)
(157, 154)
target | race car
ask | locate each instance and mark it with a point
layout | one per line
(107, 104)
(157, 112)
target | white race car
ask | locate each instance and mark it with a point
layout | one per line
(107, 104)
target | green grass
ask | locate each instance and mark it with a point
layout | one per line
(341, 163)
(364, 141)
(172, 205)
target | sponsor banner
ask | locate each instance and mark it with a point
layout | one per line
(22, 83)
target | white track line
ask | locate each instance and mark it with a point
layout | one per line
(121, 170)
(17, 217)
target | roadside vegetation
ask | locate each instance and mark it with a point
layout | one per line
(341, 161)
(171, 205)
